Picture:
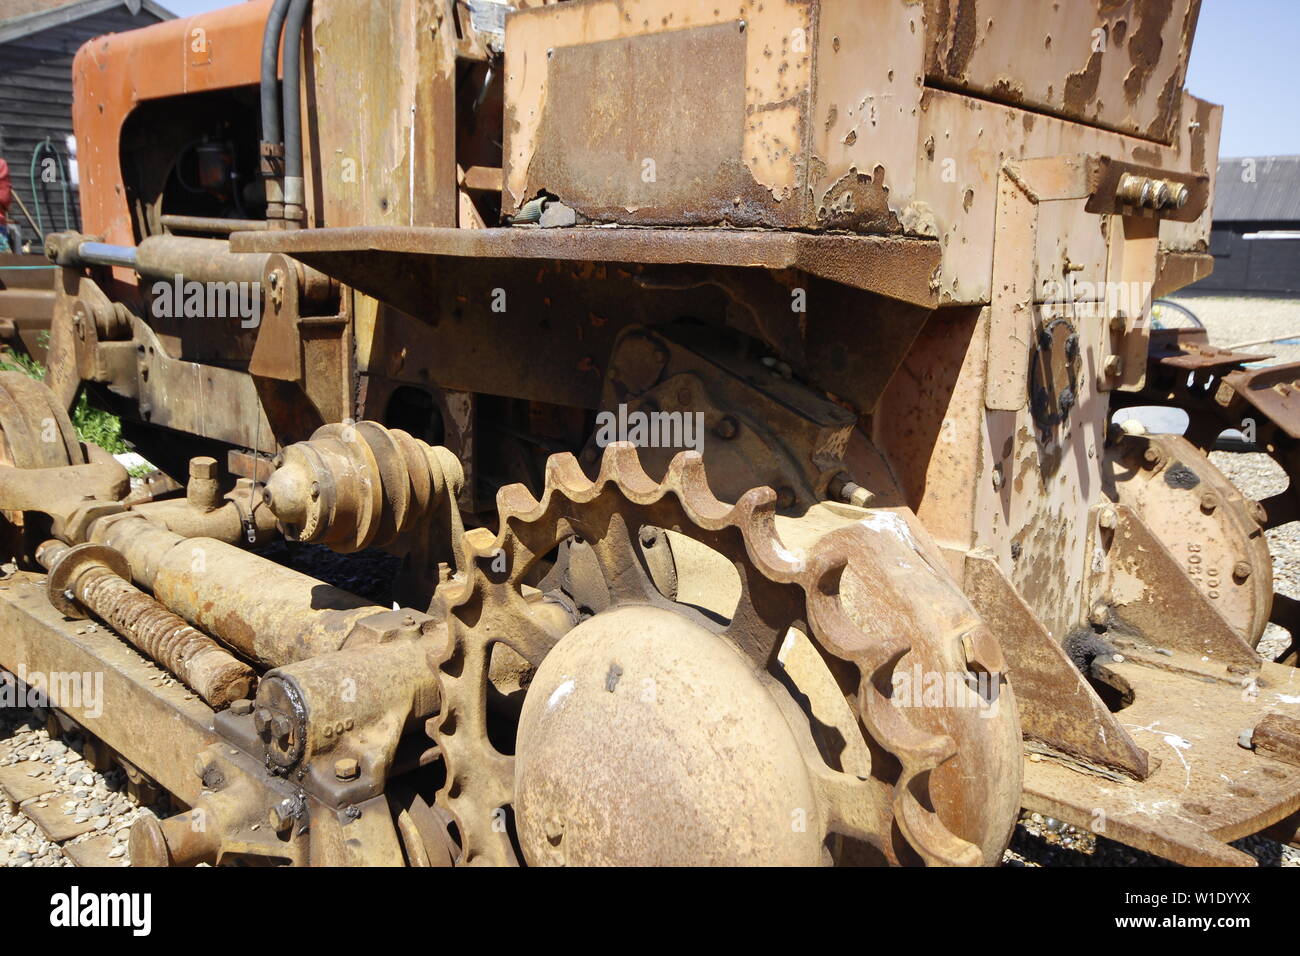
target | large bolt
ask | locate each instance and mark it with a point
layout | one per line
(347, 769)
(203, 492)
(203, 467)
(1151, 193)
(207, 770)
(1258, 513)
(277, 281)
(1241, 570)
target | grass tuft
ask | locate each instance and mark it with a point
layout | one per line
(92, 424)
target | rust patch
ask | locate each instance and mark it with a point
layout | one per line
(964, 35)
(1145, 45)
(1146, 154)
(940, 13)
(1203, 111)
(858, 201)
(1166, 107)
(1008, 90)
(1081, 87)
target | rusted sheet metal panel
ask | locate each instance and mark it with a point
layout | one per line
(1197, 144)
(1060, 714)
(796, 113)
(1207, 791)
(384, 152)
(197, 399)
(112, 74)
(966, 141)
(900, 268)
(999, 480)
(1117, 64)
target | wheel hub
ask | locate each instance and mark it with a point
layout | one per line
(647, 740)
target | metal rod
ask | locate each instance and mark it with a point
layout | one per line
(1246, 345)
(210, 670)
(213, 224)
(102, 254)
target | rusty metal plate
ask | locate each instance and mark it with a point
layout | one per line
(623, 106)
(1207, 791)
(791, 113)
(1060, 714)
(900, 268)
(386, 154)
(1118, 64)
(1274, 390)
(1189, 350)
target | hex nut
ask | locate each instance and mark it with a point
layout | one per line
(203, 467)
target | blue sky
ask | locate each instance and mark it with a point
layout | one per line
(1245, 57)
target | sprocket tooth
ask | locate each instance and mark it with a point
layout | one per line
(622, 465)
(516, 501)
(755, 513)
(686, 478)
(934, 842)
(564, 472)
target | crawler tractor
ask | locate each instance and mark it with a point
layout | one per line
(736, 392)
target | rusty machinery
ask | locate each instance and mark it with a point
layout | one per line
(907, 578)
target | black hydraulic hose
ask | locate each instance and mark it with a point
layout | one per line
(292, 106)
(270, 61)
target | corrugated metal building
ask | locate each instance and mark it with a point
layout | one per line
(1256, 236)
(38, 39)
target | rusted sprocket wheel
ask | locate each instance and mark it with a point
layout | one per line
(659, 732)
(1212, 398)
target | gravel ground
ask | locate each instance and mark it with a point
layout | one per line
(81, 793)
(101, 798)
